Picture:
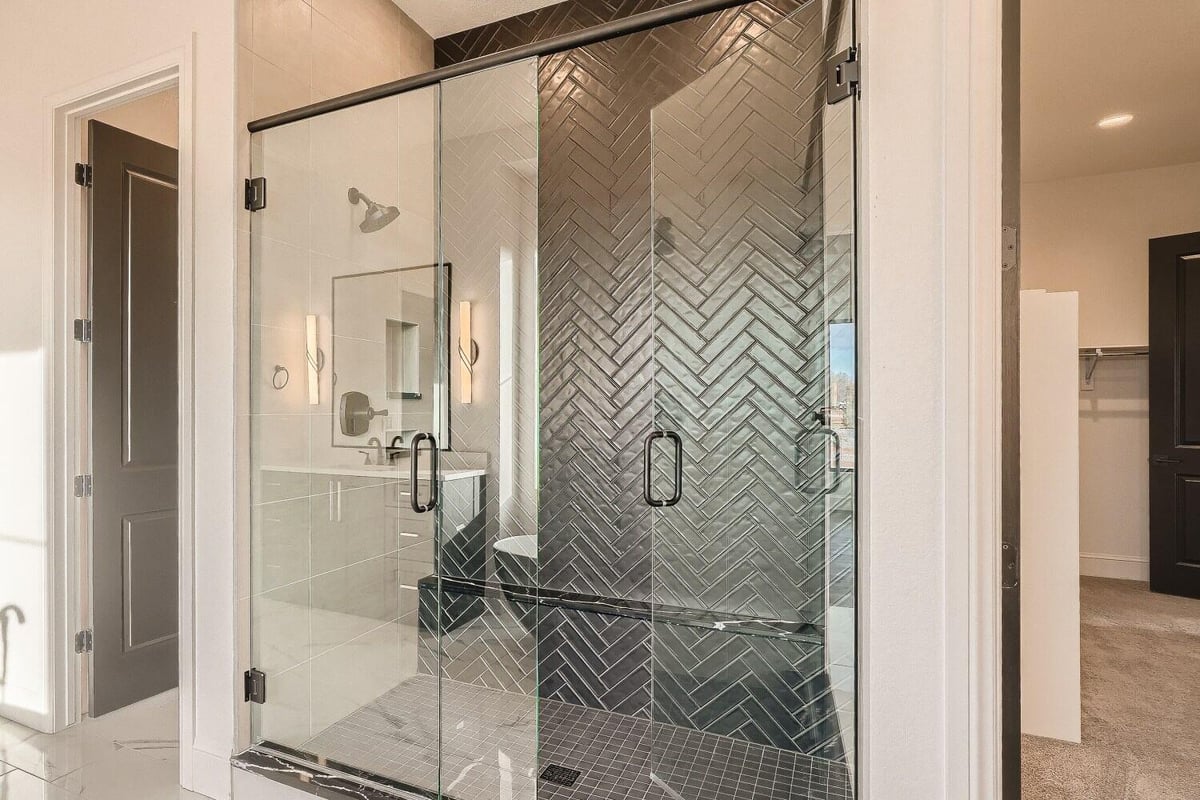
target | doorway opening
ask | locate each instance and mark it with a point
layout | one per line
(1100, 656)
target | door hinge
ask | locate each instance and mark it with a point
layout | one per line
(256, 194)
(1010, 244)
(83, 174)
(83, 485)
(83, 330)
(1010, 566)
(256, 686)
(842, 76)
(83, 641)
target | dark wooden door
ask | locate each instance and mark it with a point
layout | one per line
(135, 559)
(1175, 415)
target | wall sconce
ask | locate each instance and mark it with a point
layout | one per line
(468, 351)
(314, 357)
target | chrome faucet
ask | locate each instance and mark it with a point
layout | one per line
(379, 457)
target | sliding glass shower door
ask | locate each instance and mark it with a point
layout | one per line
(750, 465)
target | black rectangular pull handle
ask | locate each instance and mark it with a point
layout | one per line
(647, 454)
(1166, 460)
(414, 449)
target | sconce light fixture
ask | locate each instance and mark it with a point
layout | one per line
(468, 351)
(314, 357)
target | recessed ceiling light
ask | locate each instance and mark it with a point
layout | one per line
(1115, 121)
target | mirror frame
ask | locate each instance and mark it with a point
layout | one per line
(442, 284)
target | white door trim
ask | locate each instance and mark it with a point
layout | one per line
(62, 301)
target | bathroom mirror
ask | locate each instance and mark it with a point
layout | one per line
(387, 379)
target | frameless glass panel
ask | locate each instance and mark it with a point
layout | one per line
(488, 509)
(751, 468)
(344, 311)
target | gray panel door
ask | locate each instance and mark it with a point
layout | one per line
(135, 542)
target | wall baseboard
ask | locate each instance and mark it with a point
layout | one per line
(1104, 565)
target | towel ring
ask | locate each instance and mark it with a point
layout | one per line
(275, 380)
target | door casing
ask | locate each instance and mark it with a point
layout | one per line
(66, 391)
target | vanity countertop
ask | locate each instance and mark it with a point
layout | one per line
(372, 471)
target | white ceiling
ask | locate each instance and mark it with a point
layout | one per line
(442, 17)
(1086, 59)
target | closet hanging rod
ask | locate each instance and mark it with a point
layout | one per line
(1096, 354)
(1113, 352)
(555, 44)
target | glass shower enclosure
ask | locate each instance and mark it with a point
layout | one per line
(458, 393)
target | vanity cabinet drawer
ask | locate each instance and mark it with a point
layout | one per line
(397, 496)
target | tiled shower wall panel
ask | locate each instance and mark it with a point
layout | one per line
(742, 306)
(596, 323)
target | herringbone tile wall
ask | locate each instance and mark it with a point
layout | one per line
(736, 305)
(597, 318)
(742, 303)
(755, 688)
(740, 329)
(594, 660)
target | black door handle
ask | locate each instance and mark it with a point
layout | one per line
(413, 456)
(1165, 460)
(647, 450)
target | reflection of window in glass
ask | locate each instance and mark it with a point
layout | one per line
(842, 411)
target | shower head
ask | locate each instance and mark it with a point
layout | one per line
(377, 216)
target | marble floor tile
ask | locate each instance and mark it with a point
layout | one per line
(122, 774)
(18, 785)
(130, 753)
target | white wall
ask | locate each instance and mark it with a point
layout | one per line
(1090, 235)
(47, 49)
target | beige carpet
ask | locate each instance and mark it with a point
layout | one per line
(1141, 703)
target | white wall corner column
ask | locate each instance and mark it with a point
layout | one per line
(930, 304)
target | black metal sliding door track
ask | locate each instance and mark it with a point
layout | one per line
(556, 44)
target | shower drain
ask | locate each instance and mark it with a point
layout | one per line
(564, 776)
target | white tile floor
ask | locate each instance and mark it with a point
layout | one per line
(131, 753)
